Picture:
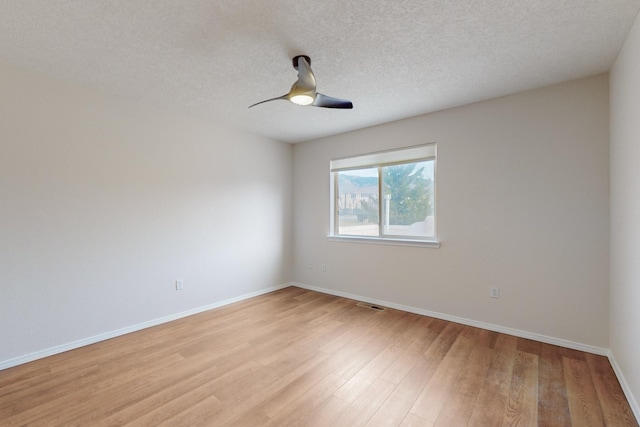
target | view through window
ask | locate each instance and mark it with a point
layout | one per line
(386, 195)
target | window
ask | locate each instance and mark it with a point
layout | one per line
(387, 195)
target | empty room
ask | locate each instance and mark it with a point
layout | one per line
(319, 213)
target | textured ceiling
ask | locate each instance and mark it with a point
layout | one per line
(393, 59)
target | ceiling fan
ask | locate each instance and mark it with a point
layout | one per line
(303, 91)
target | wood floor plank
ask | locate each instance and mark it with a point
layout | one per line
(459, 406)
(201, 413)
(361, 323)
(614, 407)
(298, 357)
(412, 420)
(428, 329)
(436, 392)
(250, 418)
(328, 411)
(522, 406)
(379, 338)
(117, 398)
(493, 397)
(304, 381)
(394, 409)
(360, 411)
(583, 399)
(553, 406)
(529, 346)
(403, 397)
(229, 381)
(54, 405)
(278, 387)
(506, 343)
(57, 379)
(299, 411)
(396, 344)
(162, 408)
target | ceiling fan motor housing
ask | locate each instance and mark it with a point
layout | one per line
(296, 58)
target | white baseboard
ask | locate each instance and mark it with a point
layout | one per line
(496, 328)
(635, 407)
(4, 364)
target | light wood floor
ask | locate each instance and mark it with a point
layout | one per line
(301, 358)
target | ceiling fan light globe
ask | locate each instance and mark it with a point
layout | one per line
(302, 99)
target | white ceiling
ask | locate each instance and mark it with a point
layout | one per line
(393, 59)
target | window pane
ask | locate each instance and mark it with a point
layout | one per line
(357, 202)
(408, 199)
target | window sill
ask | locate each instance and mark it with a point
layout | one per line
(386, 241)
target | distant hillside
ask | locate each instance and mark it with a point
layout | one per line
(357, 184)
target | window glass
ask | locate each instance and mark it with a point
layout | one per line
(408, 199)
(386, 195)
(357, 202)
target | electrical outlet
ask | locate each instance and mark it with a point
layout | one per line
(179, 285)
(310, 265)
(323, 267)
(494, 292)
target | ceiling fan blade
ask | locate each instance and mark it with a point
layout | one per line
(330, 102)
(285, 97)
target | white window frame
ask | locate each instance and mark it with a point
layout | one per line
(379, 160)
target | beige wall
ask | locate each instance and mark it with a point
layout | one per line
(104, 203)
(522, 204)
(625, 215)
